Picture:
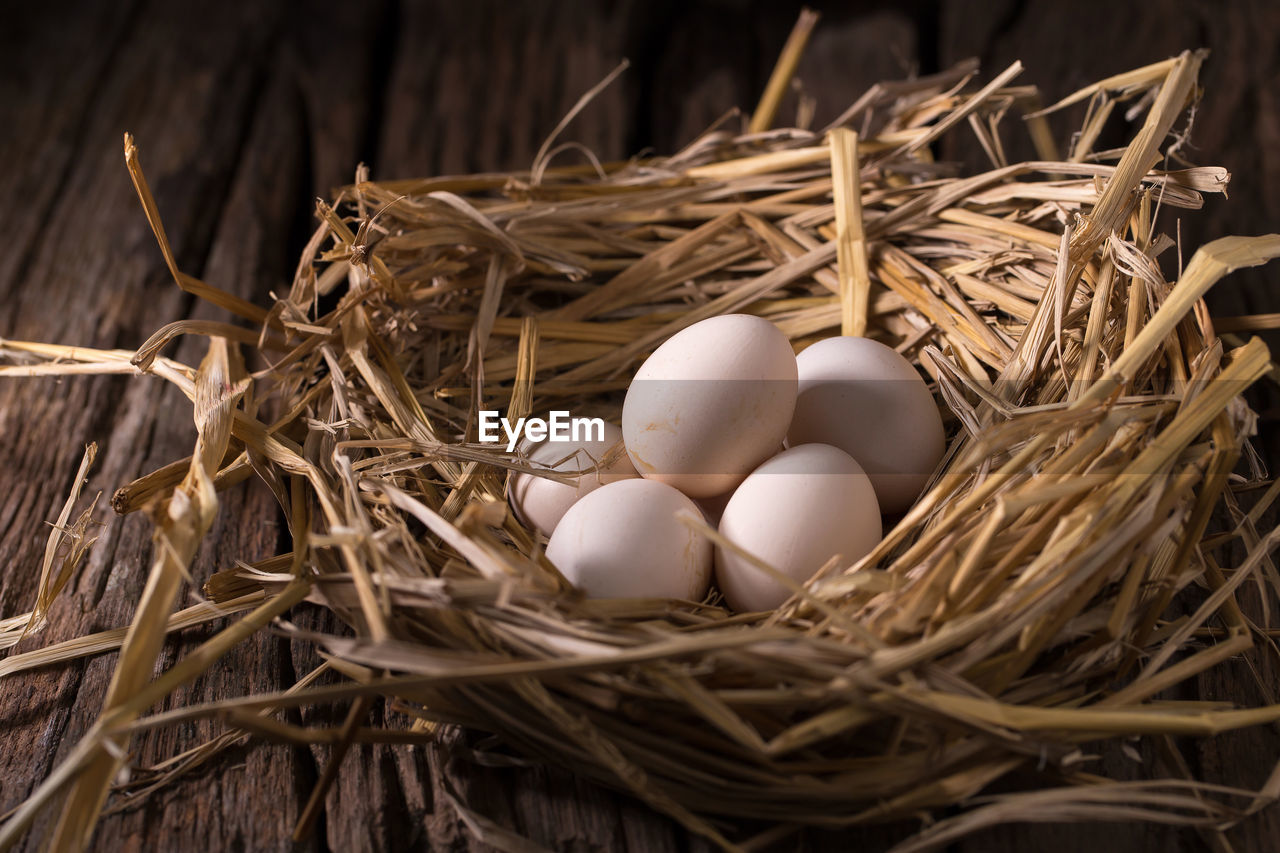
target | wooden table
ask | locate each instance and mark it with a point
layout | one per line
(244, 113)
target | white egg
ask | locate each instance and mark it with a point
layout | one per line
(864, 398)
(710, 404)
(795, 512)
(624, 540)
(540, 502)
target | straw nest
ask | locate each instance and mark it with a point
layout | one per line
(1061, 571)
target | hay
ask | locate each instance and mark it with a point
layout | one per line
(1019, 610)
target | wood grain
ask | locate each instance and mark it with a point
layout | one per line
(244, 113)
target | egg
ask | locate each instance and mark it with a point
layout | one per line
(796, 511)
(864, 398)
(624, 540)
(540, 502)
(710, 404)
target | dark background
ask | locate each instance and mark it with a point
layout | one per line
(245, 112)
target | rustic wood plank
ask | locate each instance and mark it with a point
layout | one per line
(220, 124)
(479, 86)
(250, 228)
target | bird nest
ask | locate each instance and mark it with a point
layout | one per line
(1062, 569)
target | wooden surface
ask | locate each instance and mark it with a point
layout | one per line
(244, 113)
